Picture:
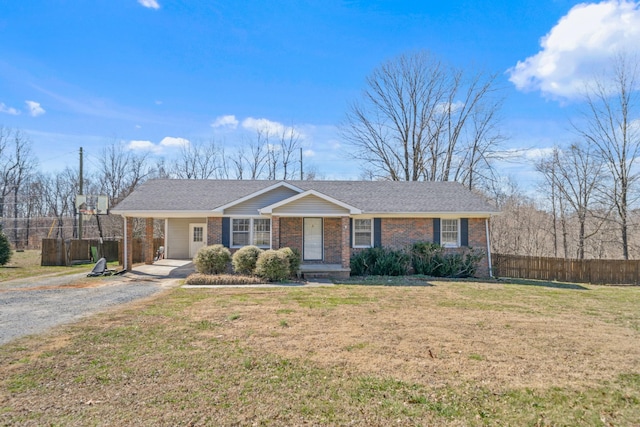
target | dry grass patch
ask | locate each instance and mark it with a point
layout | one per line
(447, 354)
(27, 264)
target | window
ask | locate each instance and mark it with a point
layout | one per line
(198, 234)
(240, 232)
(450, 232)
(262, 232)
(362, 233)
(250, 231)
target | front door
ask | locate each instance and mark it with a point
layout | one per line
(197, 233)
(312, 239)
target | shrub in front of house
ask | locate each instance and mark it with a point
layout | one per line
(212, 259)
(380, 262)
(462, 264)
(427, 258)
(5, 249)
(430, 259)
(273, 266)
(294, 258)
(244, 259)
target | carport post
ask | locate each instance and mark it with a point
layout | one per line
(125, 251)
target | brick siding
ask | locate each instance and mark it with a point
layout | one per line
(214, 231)
(398, 233)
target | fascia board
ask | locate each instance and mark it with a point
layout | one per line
(426, 214)
(164, 214)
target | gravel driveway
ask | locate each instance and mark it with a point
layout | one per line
(31, 306)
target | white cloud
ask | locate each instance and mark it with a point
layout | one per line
(579, 46)
(170, 141)
(167, 142)
(8, 110)
(35, 109)
(225, 121)
(274, 129)
(151, 4)
(144, 146)
(308, 153)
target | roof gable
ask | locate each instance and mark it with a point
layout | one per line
(310, 202)
(252, 203)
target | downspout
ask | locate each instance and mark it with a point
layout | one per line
(125, 252)
(486, 223)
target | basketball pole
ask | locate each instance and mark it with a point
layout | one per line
(81, 192)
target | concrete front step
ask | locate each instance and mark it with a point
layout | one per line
(323, 271)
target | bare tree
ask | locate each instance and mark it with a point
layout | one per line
(289, 146)
(257, 154)
(522, 228)
(17, 163)
(59, 195)
(575, 178)
(418, 119)
(197, 160)
(120, 172)
(548, 167)
(610, 124)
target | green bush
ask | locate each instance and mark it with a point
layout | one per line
(380, 262)
(273, 266)
(293, 256)
(212, 259)
(5, 249)
(427, 258)
(245, 258)
(430, 259)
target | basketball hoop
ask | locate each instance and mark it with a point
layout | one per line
(88, 205)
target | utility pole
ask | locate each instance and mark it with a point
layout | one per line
(80, 184)
(301, 173)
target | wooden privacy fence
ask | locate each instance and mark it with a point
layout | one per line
(66, 252)
(601, 271)
(138, 249)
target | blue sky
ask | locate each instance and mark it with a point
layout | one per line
(155, 74)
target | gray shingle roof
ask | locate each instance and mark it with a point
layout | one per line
(383, 197)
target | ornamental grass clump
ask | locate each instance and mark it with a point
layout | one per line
(198, 279)
(430, 259)
(380, 262)
(273, 266)
(212, 259)
(245, 258)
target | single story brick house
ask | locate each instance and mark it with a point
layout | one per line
(327, 221)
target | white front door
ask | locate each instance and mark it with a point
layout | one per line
(197, 236)
(312, 239)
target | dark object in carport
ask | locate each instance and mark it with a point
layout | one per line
(100, 269)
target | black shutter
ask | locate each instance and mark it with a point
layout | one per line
(464, 232)
(226, 231)
(377, 232)
(436, 231)
(350, 232)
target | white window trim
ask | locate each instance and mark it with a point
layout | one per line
(251, 237)
(449, 244)
(353, 233)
